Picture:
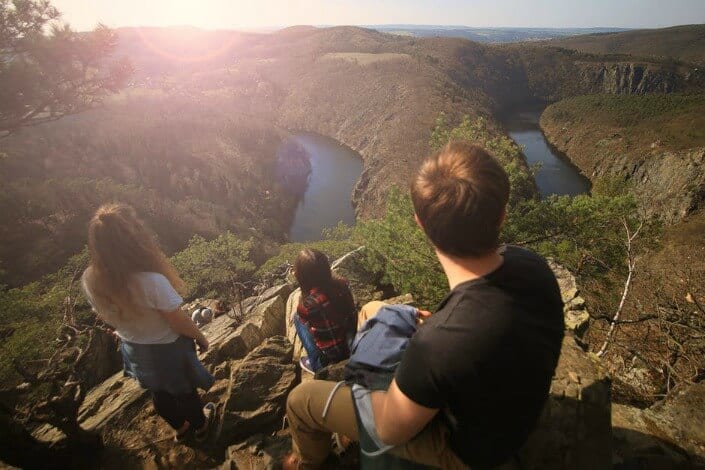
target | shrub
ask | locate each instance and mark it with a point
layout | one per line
(213, 268)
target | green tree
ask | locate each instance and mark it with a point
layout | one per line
(215, 267)
(48, 70)
(399, 248)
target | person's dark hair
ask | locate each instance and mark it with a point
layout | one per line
(312, 270)
(460, 195)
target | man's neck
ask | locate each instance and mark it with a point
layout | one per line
(459, 270)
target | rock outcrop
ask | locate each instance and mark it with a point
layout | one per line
(668, 184)
(667, 179)
(254, 365)
(575, 428)
(575, 314)
(670, 434)
(259, 385)
(628, 78)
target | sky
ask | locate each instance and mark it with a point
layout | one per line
(234, 14)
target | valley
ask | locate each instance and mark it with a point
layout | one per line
(238, 148)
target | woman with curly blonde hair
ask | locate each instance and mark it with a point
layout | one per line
(133, 287)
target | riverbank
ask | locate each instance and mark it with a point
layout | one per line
(654, 143)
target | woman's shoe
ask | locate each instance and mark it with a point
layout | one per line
(305, 364)
(209, 412)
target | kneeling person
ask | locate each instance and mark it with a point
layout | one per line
(474, 378)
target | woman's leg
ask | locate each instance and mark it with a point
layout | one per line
(192, 408)
(167, 406)
(309, 342)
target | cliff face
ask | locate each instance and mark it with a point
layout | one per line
(654, 143)
(667, 184)
(630, 78)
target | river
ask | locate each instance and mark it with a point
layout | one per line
(335, 169)
(556, 175)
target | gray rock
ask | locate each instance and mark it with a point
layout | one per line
(574, 430)
(258, 390)
(576, 316)
(282, 290)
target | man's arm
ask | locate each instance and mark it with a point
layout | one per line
(397, 417)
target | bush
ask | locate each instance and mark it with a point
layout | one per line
(214, 268)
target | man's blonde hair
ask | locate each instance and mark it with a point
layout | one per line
(459, 196)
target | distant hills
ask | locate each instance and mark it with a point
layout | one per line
(490, 35)
(686, 43)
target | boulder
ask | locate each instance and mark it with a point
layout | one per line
(574, 430)
(258, 453)
(258, 389)
(670, 434)
(291, 305)
(269, 317)
(229, 341)
(638, 443)
(101, 359)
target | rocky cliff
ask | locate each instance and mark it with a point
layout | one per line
(653, 143)
(253, 362)
(632, 78)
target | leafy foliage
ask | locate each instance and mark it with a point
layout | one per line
(675, 119)
(399, 248)
(32, 314)
(46, 76)
(213, 268)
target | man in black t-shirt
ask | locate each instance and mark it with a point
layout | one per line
(474, 378)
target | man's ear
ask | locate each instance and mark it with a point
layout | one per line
(503, 217)
(418, 222)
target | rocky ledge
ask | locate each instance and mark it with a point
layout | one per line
(252, 356)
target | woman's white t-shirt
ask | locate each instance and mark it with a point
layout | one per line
(154, 293)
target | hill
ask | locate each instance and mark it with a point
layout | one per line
(490, 35)
(198, 95)
(185, 165)
(685, 43)
(655, 146)
(656, 143)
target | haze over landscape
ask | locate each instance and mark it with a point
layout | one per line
(241, 134)
(224, 14)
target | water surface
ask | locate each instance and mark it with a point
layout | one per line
(556, 175)
(335, 169)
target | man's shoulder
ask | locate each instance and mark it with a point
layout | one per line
(518, 253)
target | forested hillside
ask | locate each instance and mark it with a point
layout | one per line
(685, 43)
(187, 166)
(655, 146)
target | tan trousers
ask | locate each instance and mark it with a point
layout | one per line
(311, 432)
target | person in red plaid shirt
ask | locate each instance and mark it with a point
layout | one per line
(326, 316)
